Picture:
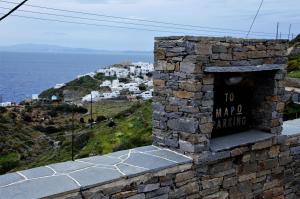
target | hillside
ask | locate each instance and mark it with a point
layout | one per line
(28, 141)
(79, 87)
(294, 58)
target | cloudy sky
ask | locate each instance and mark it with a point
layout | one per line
(218, 15)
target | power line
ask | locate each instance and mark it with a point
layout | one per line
(262, 1)
(14, 9)
(135, 19)
(129, 23)
(98, 25)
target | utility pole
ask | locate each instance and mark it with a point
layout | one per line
(14, 9)
(277, 29)
(72, 138)
(290, 28)
(91, 111)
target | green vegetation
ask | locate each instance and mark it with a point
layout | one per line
(294, 60)
(294, 63)
(102, 77)
(295, 74)
(291, 111)
(295, 40)
(40, 134)
(9, 161)
(132, 128)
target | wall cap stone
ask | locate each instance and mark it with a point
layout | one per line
(239, 69)
(70, 177)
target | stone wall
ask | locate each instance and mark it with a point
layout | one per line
(267, 169)
(176, 182)
(184, 93)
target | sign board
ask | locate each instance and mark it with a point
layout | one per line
(232, 106)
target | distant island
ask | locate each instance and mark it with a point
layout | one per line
(46, 48)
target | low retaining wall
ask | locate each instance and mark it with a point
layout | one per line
(176, 182)
(266, 169)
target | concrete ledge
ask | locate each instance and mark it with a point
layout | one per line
(238, 139)
(70, 177)
(242, 69)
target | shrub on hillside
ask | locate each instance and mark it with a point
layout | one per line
(101, 118)
(47, 94)
(48, 129)
(91, 121)
(3, 109)
(142, 87)
(67, 108)
(102, 77)
(26, 117)
(81, 120)
(86, 82)
(111, 123)
(293, 65)
(9, 162)
(124, 80)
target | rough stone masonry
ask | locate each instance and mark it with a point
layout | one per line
(260, 163)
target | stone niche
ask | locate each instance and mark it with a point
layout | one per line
(243, 101)
(206, 88)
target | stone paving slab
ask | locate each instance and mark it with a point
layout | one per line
(68, 177)
(291, 127)
(37, 172)
(95, 176)
(10, 178)
(38, 188)
(66, 167)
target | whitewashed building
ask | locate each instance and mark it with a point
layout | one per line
(6, 104)
(94, 96)
(106, 83)
(134, 89)
(34, 96)
(146, 95)
(58, 86)
(54, 98)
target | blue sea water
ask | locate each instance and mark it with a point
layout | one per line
(24, 74)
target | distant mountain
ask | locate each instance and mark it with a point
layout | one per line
(45, 48)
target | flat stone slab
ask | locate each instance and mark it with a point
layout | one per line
(238, 139)
(37, 172)
(68, 177)
(10, 178)
(239, 69)
(38, 188)
(291, 127)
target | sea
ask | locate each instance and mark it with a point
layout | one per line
(24, 74)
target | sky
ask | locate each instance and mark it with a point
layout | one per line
(222, 14)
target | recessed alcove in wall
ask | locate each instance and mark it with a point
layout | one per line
(243, 100)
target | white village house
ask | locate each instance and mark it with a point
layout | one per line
(137, 74)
